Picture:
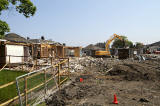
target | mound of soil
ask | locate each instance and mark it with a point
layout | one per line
(78, 92)
(134, 72)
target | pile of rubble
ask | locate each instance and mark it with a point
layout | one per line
(79, 64)
(146, 57)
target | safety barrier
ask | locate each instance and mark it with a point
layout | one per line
(35, 86)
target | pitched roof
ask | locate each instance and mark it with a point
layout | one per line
(155, 44)
(19, 39)
(15, 38)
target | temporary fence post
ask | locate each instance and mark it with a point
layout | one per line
(25, 91)
(19, 94)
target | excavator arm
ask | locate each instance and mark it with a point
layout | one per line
(107, 51)
(113, 37)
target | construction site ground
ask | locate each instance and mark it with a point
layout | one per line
(134, 83)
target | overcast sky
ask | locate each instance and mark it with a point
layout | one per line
(81, 22)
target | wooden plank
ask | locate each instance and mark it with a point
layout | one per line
(63, 80)
(32, 68)
(5, 85)
(63, 61)
(3, 66)
(9, 101)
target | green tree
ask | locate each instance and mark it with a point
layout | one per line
(122, 43)
(3, 28)
(139, 45)
(24, 7)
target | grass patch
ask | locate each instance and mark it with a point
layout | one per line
(7, 76)
(9, 92)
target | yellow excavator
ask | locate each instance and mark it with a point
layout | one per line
(107, 50)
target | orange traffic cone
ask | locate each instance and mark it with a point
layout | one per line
(115, 99)
(81, 79)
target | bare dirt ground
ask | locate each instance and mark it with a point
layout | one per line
(135, 84)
